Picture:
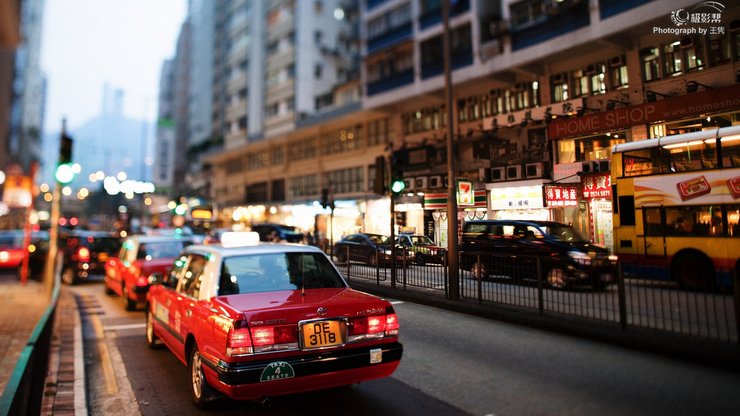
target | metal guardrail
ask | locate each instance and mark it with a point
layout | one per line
(24, 392)
(708, 312)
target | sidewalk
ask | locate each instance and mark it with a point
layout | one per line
(21, 308)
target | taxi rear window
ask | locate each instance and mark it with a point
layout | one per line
(267, 272)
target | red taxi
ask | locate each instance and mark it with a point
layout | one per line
(12, 250)
(140, 256)
(254, 320)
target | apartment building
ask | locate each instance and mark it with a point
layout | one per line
(542, 90)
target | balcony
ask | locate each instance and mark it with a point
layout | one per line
(394, 81)
(390, 38)
(562, 21)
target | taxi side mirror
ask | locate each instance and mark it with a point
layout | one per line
(155, 278)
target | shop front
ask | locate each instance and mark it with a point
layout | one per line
(435, 213)
(520, 200)
(597, 194)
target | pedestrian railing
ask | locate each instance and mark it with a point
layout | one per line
(587, 291)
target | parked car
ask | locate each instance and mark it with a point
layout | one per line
(373, 249)
(511, 248)
(422, 249)
(85, 253)
(278, 233)
(257, 320)
(140, 255)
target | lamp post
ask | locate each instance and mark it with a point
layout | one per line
(452, 246)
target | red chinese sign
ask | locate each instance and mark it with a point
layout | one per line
(597, 186)
(561, 195)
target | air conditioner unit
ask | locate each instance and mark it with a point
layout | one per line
(409, 182)
(588, 167)
(435, 181)
(498, 174)
(514, 172)
(559, 78)
(604, 166)
(420, 183)
(534, 170)
(617, 61)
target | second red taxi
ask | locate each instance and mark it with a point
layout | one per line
(254, 320)
(140, 256)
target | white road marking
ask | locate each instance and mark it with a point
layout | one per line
(123, 327)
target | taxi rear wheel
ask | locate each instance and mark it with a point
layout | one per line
(202, 392)
(152, 340)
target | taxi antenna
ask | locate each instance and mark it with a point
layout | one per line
(303, 276)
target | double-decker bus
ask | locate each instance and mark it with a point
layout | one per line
(677, 205)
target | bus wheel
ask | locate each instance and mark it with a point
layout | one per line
(693, 271)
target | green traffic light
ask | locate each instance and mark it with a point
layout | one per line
(65, 173)
(397, 186)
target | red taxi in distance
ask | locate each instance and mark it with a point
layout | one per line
(12, 250)
(254, 320)
(140, 256)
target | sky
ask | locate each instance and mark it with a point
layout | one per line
(87, 44)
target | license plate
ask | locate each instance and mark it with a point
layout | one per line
(321, 334)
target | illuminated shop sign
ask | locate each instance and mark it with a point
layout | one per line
(597, 186)
(517, 197)
(561, 196)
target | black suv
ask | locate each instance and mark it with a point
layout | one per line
(519, 249)
(85, 253)
(277, 232)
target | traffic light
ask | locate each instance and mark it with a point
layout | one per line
(326, 200)
(397, 165)
(65, 172)
(65, 149)
(380, 174)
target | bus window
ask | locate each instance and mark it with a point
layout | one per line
(652, 223)
(733, 220)
(693, 155)
(731, 151)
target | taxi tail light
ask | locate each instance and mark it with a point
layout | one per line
(376, 326)
(239, 341)
(83, 254)
(142, 280)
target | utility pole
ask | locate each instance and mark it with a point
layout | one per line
(452, 246)
(56, 208)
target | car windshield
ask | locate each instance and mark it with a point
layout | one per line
(421, 240)
(160, 249)
(269, 272)
(565, 233)
(378, 239)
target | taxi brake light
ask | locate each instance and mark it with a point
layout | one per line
(83, 254)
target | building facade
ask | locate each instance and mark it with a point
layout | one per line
(542, 91)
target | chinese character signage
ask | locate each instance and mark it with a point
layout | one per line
(597, 186)
(561, 195)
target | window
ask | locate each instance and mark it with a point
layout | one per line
(618, 72)
(559, 87)
(377, 132)
(672, 58)
(693, 53)
(304, 186)
(347, 180)
(527, 13)
(193, 276)
(650, 59)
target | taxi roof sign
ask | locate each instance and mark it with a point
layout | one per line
(239, 238)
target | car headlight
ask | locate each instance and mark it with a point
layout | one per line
(579, 257)
(613, 258)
